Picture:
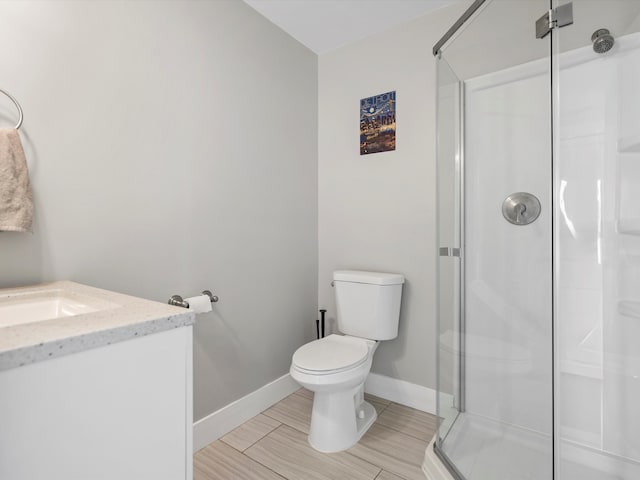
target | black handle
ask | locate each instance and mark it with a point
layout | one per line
(318, 329)
(322, 312)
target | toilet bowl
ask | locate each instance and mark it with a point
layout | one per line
(335, 369)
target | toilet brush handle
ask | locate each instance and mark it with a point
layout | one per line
(322, 312)
(318, 329)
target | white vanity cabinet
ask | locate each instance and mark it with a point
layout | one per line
(119, 411)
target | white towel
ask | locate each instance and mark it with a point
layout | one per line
(16, 199)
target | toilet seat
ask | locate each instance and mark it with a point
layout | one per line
(332, 354)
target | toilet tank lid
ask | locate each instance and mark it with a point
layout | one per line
(373, 278)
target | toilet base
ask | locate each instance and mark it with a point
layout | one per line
(336, 423)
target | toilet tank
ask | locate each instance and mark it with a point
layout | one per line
(368, 303)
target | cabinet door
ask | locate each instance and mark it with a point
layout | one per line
(118, 412)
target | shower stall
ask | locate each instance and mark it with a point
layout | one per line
(539, 242)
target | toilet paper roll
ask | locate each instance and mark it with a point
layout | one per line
(199, 304)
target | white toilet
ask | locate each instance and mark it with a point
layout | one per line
(336, 367)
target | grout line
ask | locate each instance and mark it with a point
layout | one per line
(364, 461)
(244, 455)
(283, 423)
(390, 427)
(379, 473)
(292, 409)
(383, 408)
(390, 473)
(258, 462)
(407, 433)
(229, 445)
(421, 440)
(380, 467)
(265, 435)
(271, 470)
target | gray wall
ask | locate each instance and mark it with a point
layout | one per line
(377, 211)
(172, 148)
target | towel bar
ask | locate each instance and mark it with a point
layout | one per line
(15, 102)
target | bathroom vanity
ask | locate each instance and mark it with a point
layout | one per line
(93, 385)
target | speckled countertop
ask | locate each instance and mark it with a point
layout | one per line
(118, 317)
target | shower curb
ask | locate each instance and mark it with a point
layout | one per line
(432, 467)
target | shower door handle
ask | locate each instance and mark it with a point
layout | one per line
(449, 252)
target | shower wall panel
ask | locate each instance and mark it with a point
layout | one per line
(582, 179)
(508, 267)
(621, 320)
(598, 258)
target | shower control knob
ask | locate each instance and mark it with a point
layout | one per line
(521, 208)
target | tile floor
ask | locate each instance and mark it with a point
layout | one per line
(273, 445)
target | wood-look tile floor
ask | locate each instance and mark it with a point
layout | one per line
(273, 445)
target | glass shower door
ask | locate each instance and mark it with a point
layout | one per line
(495, 315)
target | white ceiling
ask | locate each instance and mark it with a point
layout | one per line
(324, 25)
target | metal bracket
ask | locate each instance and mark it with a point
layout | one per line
(559, 17)
(178, 301)
(212, 297)
(449, 252)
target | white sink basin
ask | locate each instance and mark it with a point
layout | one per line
(32, 307)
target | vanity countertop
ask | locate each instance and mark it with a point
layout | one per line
(117, 317)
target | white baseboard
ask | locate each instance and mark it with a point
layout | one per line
(219, 423)
(402, 392)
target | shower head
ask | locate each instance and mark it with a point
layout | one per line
(602, 40)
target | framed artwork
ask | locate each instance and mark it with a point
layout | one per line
(378, 123)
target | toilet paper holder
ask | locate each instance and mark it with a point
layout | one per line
(178, 301)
